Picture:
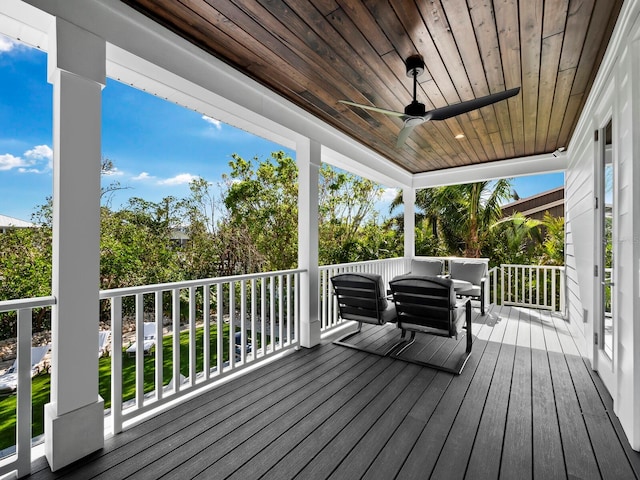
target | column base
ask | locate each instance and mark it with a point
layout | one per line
(74, 435)
(310, 334)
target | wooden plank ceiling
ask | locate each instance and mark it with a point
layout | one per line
(316, 52)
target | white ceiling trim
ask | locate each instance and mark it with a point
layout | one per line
(515, 167)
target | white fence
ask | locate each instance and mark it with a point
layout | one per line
(256, 316)
(535, 286)
(20, 460)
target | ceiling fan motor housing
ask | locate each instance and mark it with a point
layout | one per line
(415, 109)
(415, 66)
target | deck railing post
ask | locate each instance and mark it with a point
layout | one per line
(309, 159)
(74, 417)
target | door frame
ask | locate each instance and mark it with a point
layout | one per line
(605, 366)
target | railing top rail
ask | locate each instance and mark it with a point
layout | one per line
(161, 287)
(342, 265)
(559, 267)
(452, 257)
(11, 305)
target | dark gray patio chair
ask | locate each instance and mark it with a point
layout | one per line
(361, 298)
(474, 272)
(429, 305)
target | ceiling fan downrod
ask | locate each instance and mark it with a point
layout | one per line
(415, 68)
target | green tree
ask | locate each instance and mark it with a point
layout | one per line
(514, 240)
(552, 247)
(262, 200)
(460, 216)
(25, 269)
(135, 247)
(349, 229)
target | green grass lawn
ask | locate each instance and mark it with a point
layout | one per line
(41, 383)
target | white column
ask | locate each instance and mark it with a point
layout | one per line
(409, 200)
(74, 419)
(308, 157)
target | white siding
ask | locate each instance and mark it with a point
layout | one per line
(613, 96)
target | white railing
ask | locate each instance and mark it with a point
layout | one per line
(20, 461)
(256, 316)
(534, 286)
(388, 268)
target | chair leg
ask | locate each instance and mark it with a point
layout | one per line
(342, 342)
(400, 347)
(468, 322)
(457, 369)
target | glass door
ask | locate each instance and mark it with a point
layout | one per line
(606, 324)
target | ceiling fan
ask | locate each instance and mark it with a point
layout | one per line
(415, 113)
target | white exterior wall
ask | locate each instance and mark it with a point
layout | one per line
(615, 96)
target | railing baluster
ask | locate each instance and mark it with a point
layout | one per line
(288, 309)
(562, 275)
(297, 308)
(219, 329)
(159, 380)
(272, 313)
(192, 336)
(206, 334)
(243, 321)
(139, 350)
(263, 316)
(280, 312)
(546, 272)
(502, 269)
(530, 278)
(232, 324)
(116, 364)
(322, 298)
(553, 293)
(23, 392)
(175, 314)
(254, 344)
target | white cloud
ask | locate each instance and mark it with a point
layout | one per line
(213, 121)
(389, 194)
(7, 44)
(8, 162)
(142, 176)
(114, 172)
(39, 152)
(181, 179)
(30, 160)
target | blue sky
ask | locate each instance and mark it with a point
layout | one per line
(157, 147)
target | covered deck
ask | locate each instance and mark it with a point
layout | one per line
(526, 405)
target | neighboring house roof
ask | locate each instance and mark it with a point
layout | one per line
(179, 235)
(551, 201)
(10, 222)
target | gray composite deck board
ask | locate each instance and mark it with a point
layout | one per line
(526, 405)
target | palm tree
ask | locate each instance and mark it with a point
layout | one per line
(461, 215)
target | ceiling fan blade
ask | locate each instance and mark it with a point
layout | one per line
(375, 109)
(404, 134)
(464, 107)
